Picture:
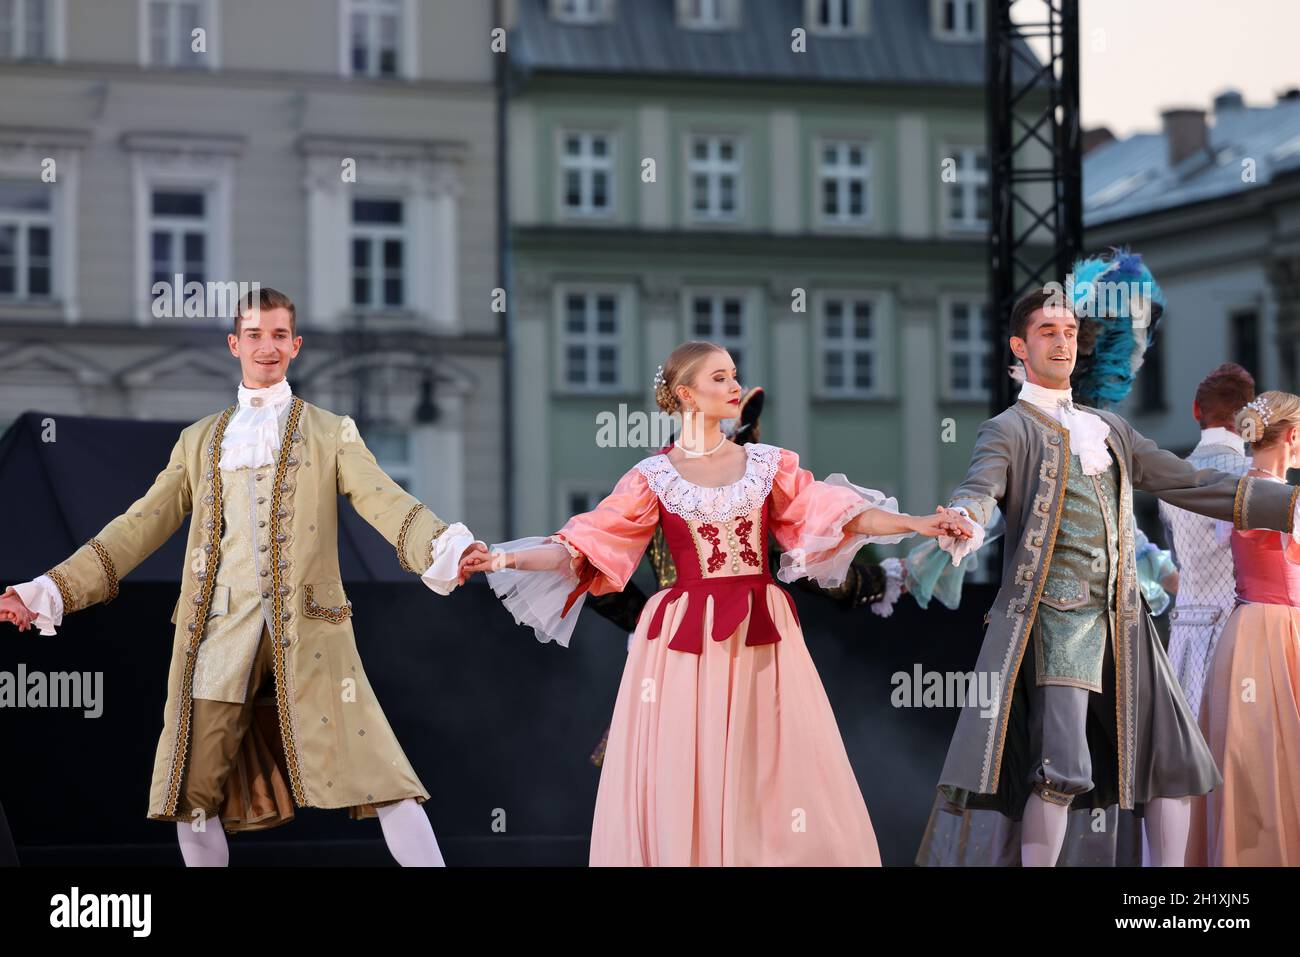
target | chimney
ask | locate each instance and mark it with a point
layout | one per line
(1185, 133)
(1228, 100)
(1094, 138)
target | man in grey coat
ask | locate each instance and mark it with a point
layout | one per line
(1088, 712)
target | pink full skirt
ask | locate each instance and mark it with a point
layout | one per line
(1250, 716)
(730, 757)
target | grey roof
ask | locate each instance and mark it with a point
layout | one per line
(1133, 177)
(644, 38)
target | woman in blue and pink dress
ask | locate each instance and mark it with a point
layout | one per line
(723, 748)
(1250, 712)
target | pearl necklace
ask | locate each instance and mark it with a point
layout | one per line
(689, 453)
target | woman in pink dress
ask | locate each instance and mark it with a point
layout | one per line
(1250, 712)
(723, 749)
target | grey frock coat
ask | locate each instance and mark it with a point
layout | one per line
(1020, 464)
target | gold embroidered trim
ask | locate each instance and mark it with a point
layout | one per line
(110, 570)
(1290, 511)
(198, 621)
(1238, 502)
(1053, 796)
(1124, 730)
(65, 589)
(401, 542)
(312, 609)
(279, 615)
(1027, 617)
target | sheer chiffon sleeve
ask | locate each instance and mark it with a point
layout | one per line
(808, 518)
(604, 547)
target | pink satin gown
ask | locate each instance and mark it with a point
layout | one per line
(723, 749)
(1250, 714)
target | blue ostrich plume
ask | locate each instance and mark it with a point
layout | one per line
(1109, 293)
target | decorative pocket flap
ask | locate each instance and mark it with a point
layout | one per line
(220, 601)
(1069, 592)
(326, 601)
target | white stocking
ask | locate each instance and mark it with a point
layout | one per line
(1167, 822)
(206, 848)
(410, 835)
(1042, 832)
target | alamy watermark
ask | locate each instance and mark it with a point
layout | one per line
(56, 689)
(200, 300)
(946, 689)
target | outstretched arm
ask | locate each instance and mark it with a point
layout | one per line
(426, 545)
(979, 493)
(91, 574)
(1246, 501)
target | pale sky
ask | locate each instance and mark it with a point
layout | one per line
(1141, 56)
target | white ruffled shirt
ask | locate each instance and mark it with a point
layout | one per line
(1088, 433)
(252, 440)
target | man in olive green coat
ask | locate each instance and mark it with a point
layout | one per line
(268, 707)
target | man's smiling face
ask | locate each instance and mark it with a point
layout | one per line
(265, 346)
(1049, 348)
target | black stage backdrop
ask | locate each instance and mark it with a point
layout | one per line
(498, 726)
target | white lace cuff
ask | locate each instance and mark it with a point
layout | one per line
(894, 574)
(442, 575)
(42, 596)
(536, 597)
(959, 548)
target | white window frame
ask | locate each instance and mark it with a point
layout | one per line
(859, 14)
(376, 234)
(708, 14)
(977, 348)
(715, 167)
(23, 223)
(429, 183)
(881, 345)
(209, 20)
(591, 338)
(177, 227)
(842, 174)
(586, 164)
(960, 32)
(211, 174)
(56, 37)
(746, 366)
(969, 181)
(408, 28)
(21, 160)
(582, 12)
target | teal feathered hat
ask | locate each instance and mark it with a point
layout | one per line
(1119, 306)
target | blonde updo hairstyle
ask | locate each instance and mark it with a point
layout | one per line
(1268, 417)
(681, 369)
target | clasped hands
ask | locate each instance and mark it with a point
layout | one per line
(947, 523)
(477, 558)
(13, 610)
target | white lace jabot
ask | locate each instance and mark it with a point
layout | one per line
(1087, 430)
(713, 504)
(252, 436)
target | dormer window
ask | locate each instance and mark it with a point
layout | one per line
(581, 11)
(705, 14)
(958, 19)
(836, 17)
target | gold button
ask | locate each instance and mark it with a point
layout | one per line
(255, 403)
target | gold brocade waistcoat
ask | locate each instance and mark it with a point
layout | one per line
(1076, 613)
(241, 596)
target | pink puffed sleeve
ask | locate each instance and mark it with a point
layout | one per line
(605, 546)
(808, 518)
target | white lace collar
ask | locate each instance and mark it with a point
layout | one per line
(709, 503)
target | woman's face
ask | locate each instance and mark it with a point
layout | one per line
(715, 391)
